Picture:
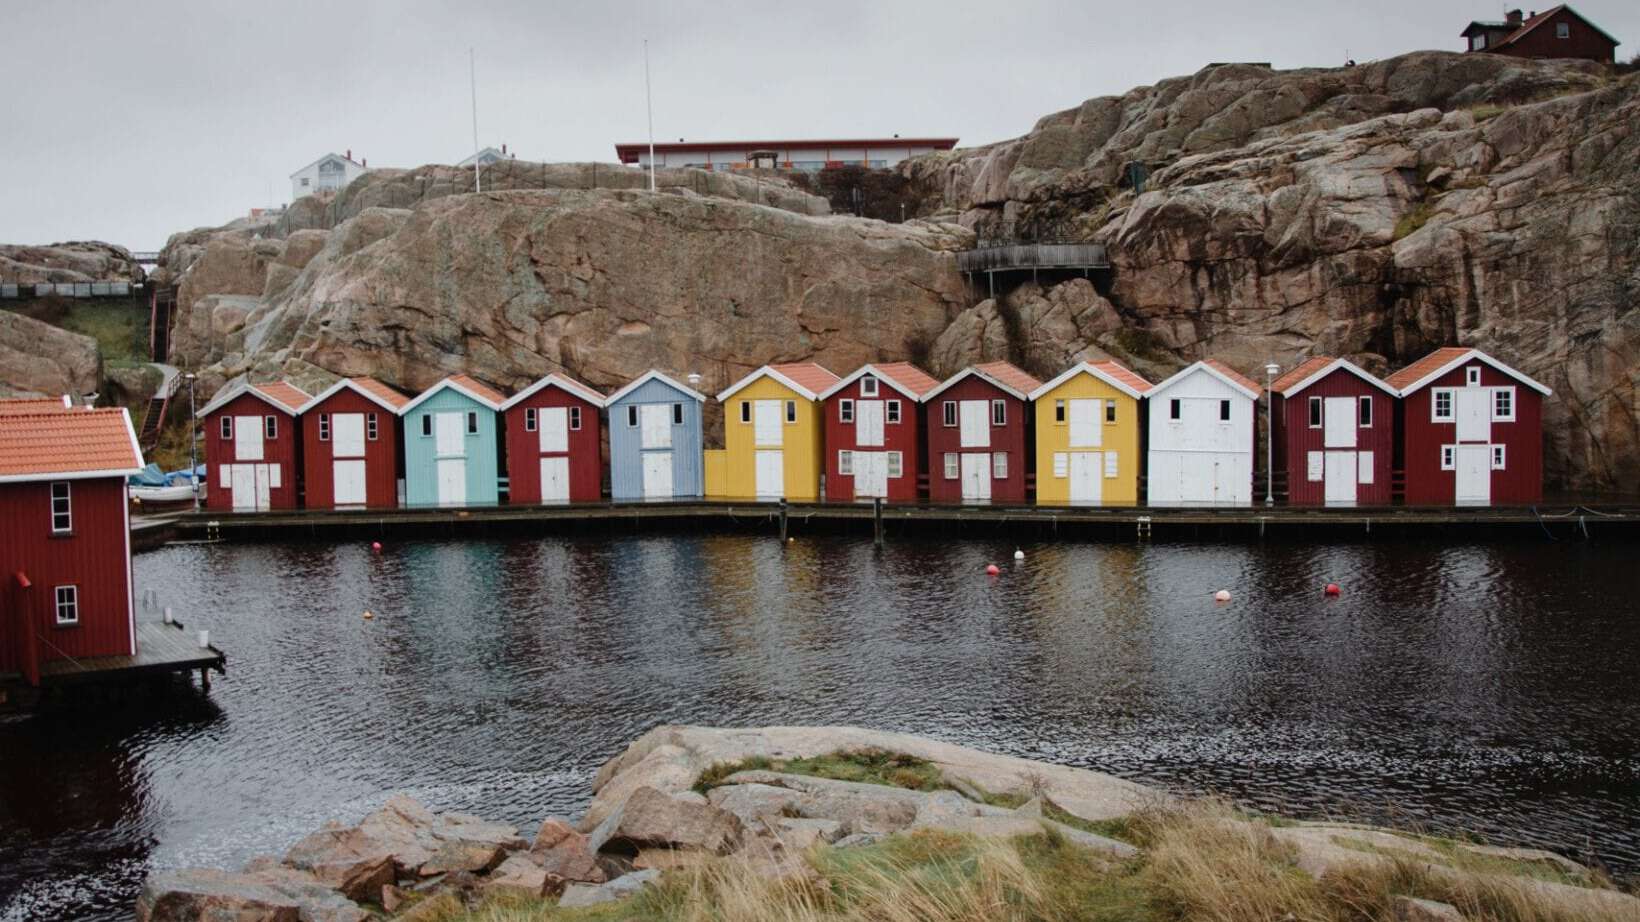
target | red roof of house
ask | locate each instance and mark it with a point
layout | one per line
(1533, 23)
(1411, 374)
(908, 376)
(478, 387)
(807, 374)
(1011, 375)
(61, 442)
(284, 393)
(1123, 374)
(33, 404)
(1303, 370)
(1233, 375)
(387, 394)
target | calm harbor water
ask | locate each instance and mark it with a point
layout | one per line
(1487, 688)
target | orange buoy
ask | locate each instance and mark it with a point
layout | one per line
(1223, 595)
(1333, 589)
(992, 569)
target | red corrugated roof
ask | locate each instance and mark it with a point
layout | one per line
(908, 376)
(387, 394)
(284, 393)
(1011, 375)
(807, 374)
(478, 387)
(31, 404)
(1411, 374)
(1233, 375)
(1123, 374)
(61, 442)
(1303, 370)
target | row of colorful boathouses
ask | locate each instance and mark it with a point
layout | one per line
(1457, 427)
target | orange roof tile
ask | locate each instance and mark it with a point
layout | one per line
(388, 394)
(908, 376)
(478, 387)
(1411, 374)
(1121, 373)
(283, 393)
(58, 443)
(1301, 371)
(32, 404)
(807, 374)
(1234, 375)
(1011, 375)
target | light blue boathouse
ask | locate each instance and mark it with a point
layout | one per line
(452, 446)
(655, 440)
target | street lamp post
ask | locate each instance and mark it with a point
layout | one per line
(1270, 371)
(193, 465)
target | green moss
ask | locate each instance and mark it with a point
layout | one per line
(867, 766)
(1453, 854)
(1486, 111)
(1413, 220)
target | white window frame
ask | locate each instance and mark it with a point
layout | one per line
(1449, 457)
(999, 465)
(868, 386)
(1226, 413)
(1059, 412)
(529, 419)
(845, 411)
(948, 411)
(371, 429)
(1364, 411)
(270, 427)
(1175, 410)
(845, 463)
(892, 413)
(1435, 395)
(1472, 376)
(67, 513)
(226, 428)
(999, 412)
(896, 465)
(1563, 30)
(575, 418)
(1509, 393)
(324, 427)
(953, 465)
(1499, 456)
(69, 601)
(1315, 413)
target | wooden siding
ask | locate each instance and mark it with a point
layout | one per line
(585, 450)
(1180, 459)
(483, 452)
(1581, 42)
(1011, 438)
(800, 447)
(1521, 480)
(95, 558)
(381, 457)
(626, 455)
(283, 450)
(904, 437)
(1121, 437)
(1294, 440)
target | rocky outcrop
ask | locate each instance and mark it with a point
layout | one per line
(74, 261)
(38, 358)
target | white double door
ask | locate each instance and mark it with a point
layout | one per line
(450, 444)
(771, 474)
(250, 485)
(552, 426)
(1341, 468)
(976, 475)
(347, 468)
(870, 474)
(1085, 472)
(1473, 472)
(770, 465)
(657, 475)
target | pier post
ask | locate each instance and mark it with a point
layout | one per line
(783, 521)
(877, 521)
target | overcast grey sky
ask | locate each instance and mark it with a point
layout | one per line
(128, 121)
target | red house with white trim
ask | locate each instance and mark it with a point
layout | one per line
(554, 443)
(252, 455)
(1471, 430)
(1334, 434)
(350, 446)
(65, 548)
(873, 432)
(979, 387)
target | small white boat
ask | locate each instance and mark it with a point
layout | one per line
(171, 493)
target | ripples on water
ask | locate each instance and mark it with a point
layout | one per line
(1483, 688)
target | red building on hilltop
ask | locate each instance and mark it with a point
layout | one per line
(1554, 33)
(873, 432)
(350, 446)
(554, 443)
(251, 447)
(1471, 430)
(1334, 434)
(949, 437)
(65, 549)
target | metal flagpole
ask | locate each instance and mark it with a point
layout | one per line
(649, 111)
(472, 75)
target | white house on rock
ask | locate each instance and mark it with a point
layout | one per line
(1201, 437)
(332, 172)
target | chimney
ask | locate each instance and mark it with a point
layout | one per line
(1513, 17)
(503, 148)
(349, 154)
(364, 162)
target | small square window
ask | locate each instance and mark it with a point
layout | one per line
(1497, 457)
(426, 424)
(999, 412)
(1224, 411)
(1365, 418)
(1175, 409)
(1315, 412)
(999, 465)
(845, 411)
(575, 418)
(1059, 411)
(952, 466)
(845, 463)
(227, 428)
(529, 419)
(1563, 30)
(893, 411)
(68, 605)
(1110, 411)
(949, 411)
(896, 464)
(791, 411)
(324, 427)
(1449, 458)
(745, 411)
(270, 427)
(632, 415)
(677, 414)
(868, 386)
(62, 508)
(370, 426)
(472, 423)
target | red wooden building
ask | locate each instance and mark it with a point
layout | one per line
(350, 446)
(65, 550)
(1471, 430)
(1334, 434)
(252, 455)
(873, 432)
(554, 443)
(1559, 32)
(954, 431)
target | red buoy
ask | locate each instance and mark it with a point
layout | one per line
(376, 546)
(1332, 589)
(992, 569)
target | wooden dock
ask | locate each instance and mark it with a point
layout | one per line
(161, 649)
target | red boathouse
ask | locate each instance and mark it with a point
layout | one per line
(1334, 434)
(350, 446)
(1471, 430)
(949, 437)
(65, 549)
(554, 443)
(251, 451)
(873, 432)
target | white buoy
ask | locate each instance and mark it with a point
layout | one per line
(204, 640)
(168, 618)
(1223, 595)
(1019, 555)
